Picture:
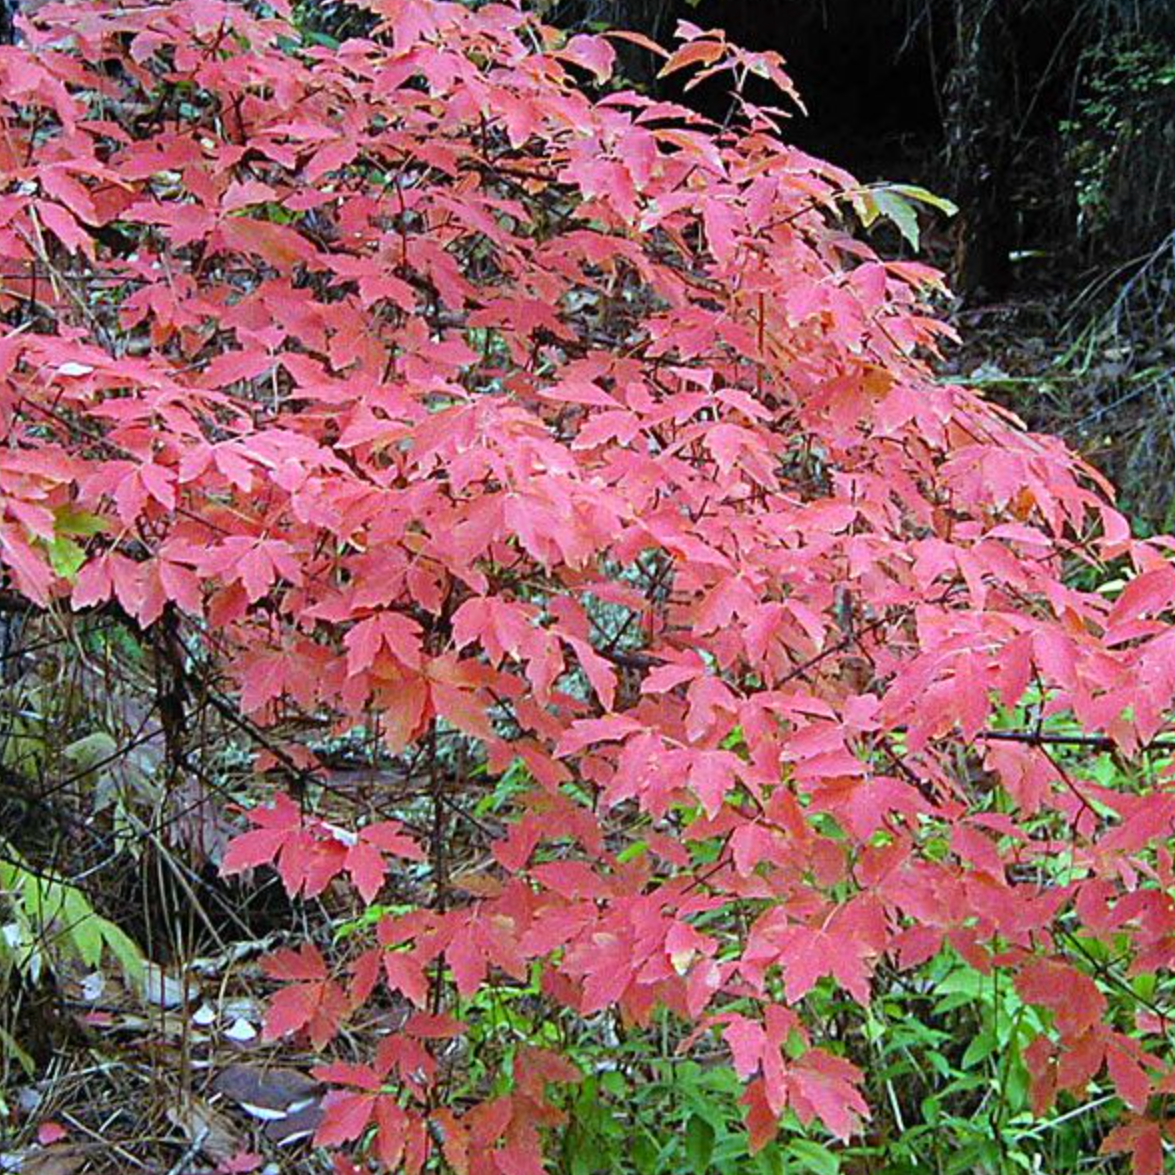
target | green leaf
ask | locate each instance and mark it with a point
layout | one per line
(316, 38)
(900, 213)
(644, 1153)
(979, 1049)
(66, 557)
(922, 196)
(87, 752)
(631, 852)
(12, 1049)
(962, 981)
(813, 1157)
(768, 1162)
(123, 948)
(583, 1157)
(699, 1144)
(82, 926)
(81, 523)
(894, 203)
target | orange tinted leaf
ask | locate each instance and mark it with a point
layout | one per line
(695, 53)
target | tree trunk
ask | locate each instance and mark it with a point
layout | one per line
(978, 135)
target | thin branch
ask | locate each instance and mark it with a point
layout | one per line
(1100, 742)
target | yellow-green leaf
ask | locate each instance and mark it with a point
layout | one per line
(65, 556)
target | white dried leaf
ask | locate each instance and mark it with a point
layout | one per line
(241, 1031)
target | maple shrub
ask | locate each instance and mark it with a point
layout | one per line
(437, 389)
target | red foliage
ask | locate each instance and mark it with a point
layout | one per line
(459, 394)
